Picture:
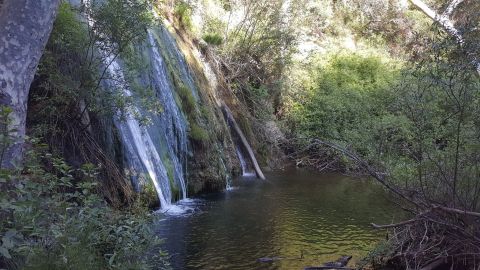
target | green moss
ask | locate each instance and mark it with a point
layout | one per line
(188, 101)
(148, 195)
(183, 12)
(171, 178)
(90, 235)
(198, 133)
(189, 106)
(245, 126)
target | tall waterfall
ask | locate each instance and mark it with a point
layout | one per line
(157, 152)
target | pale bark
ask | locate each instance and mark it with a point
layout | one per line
(451, 7)
(25, 26)
(447, 24)
(243, 140)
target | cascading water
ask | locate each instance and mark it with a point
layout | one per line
(160, 149)
(171, 122)
(173, 52)
(246, 171)
(141, 153)
(242, 144)
(157, 151)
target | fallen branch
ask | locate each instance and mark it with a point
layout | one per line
(457, 211)
(433, 230)
(243, 139)
(410, 221)
(433, 265)
(327, 267)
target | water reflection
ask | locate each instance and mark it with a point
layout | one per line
(294, 213)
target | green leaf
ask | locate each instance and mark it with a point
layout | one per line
(112, 259)
(8, 239)
(4, 252)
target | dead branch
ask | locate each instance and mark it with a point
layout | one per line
(457, 211)
(410, 221)
(435, 234)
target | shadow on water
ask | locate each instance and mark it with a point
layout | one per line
(294, 212)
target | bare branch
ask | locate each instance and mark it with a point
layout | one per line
(457, 211)
(410, 221)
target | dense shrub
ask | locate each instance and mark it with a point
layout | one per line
(183, 13)
(213, 39)
(346, 100)
(53, 218)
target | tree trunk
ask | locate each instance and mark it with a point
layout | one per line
(446, 23)
(243, 139)
(25, 26)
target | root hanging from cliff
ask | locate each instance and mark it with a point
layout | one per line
(115, 187)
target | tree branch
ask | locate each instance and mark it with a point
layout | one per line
(393, 225)
(457, 211)
(451, 7)
(446, 23)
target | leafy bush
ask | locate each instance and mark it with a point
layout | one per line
(54, 219)
(121, 22)
(198, 133)
(183, 12)
(346, 101)
(213, 39)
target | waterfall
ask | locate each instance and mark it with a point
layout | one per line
(140, 152)
(171, 121)
(173, 52)
(241, 143)
(156, 152)
(160, 149)
(246, 171)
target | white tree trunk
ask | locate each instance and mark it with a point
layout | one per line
(445, 21)
(25, 26)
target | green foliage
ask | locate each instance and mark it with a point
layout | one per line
(198, 133)
(213, 39)
(54, 219)
(71, 70)
(189, 104)
(6, 137)
(346, 100)
(418, 125)
(439, 99)
(121, 22)
(183, 12)
(148, 195)
(255, 49)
